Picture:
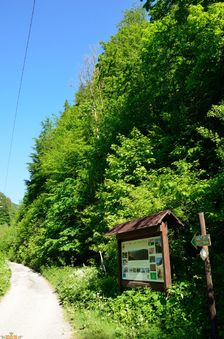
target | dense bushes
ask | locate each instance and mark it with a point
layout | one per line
(139, 313)
(4, 275)
(7, 211)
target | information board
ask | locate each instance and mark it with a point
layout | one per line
(142, 260)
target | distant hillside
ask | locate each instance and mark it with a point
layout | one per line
(7, 210)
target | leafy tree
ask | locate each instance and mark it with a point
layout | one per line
(7, 210)
(179, 81)
(36, 182)
(158, 9)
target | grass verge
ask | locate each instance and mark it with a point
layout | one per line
(5, 274)
(97, 311)
(80, 291)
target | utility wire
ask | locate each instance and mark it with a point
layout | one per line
(18, 96)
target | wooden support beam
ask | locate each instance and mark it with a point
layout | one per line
(166, 255)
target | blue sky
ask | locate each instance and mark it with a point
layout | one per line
(63, 34)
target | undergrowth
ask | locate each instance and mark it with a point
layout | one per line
(97, 310)
(4, 275)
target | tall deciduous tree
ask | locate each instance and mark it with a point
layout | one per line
(7, 210)
(158, 9)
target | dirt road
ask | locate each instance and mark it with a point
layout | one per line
(30, 309)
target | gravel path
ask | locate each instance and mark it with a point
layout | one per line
(30, 309)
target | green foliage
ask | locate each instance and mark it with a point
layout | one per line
(153, 314)
(35, 185)
(8, 236)
(132, 187)
(179, 79)
(160, 8)
(131, 159)
(81, 287)
(139, 313)
(4, 275)
(214, 131)
(87, 324)
(7, 210)
(76, 286)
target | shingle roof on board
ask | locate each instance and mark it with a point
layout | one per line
(144, 222)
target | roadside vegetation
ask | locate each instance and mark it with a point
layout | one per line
(7, 211)
(4, 275)
(145, 134)
(97, 310)
(7, 217)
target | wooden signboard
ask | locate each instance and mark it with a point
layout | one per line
(143, 251)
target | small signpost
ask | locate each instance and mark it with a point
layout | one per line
(201, 240)
(204, 241)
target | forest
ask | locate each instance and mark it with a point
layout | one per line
(145, 134)
(7, 211)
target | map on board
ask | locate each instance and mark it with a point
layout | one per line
(142, 260)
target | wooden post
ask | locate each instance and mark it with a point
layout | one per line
(119, 265)
(208, 275)
(166, 256)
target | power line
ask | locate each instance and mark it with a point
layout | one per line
(18, 96)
